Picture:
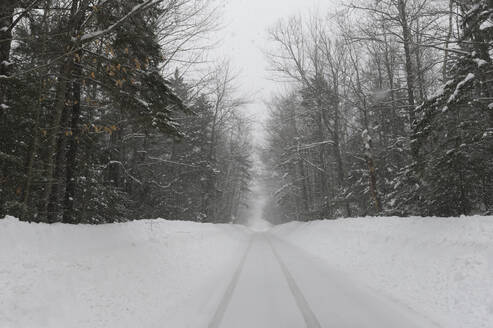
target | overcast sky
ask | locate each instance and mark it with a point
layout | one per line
(245, 35)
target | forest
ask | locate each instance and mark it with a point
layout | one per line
(109, 115)
(389, 111)
(111, 110)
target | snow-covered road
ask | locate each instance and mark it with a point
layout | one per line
(279, 285)
(354, 273)
(259, 295)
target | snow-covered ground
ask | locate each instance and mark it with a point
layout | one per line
(139, 274)
(178, 274)
(442, 268)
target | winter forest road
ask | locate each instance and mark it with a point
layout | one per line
(280, 286)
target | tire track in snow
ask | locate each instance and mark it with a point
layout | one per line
(311, 320)
(221, 310)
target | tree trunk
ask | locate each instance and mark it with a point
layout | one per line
(338, 156)
(30, 163)
(372, 175)
(35, 144)
(390, 76)
(419, 65)
(406, 32)
(52, 140)
(77, 14)
(71, 162)
(410, 73)
(367, 140)
(54, 200)
(323, 162)
(447, 42)
(337, 144)
(7, 8)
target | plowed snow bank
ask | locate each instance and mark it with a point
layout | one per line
(139, 274)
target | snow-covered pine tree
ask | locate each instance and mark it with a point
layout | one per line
(454, 133)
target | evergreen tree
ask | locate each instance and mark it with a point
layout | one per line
(454, 134)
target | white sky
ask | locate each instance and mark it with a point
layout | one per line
(245, 35)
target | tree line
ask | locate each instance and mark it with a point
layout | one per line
(388, 111)
(106, 116)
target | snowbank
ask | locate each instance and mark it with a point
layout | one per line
(440, 267)
(139, 274)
